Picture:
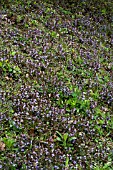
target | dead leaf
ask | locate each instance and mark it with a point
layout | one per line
(2, 146)
(31, 132)
(8, 78)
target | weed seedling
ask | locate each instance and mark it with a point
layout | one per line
(64, 140)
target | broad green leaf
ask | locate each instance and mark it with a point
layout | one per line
(65, 136)
(1, 64)
(58, 139)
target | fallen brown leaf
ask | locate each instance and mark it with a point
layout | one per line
(2, 146)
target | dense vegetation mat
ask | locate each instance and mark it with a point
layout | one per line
(56, 85)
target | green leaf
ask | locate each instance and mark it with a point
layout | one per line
(13, 53)
(107, 165)
(1, 64)
(65, 136)
(10, 70)
(59, 139)
(67, 162)
(71, 138)
(59, 134)
(14, 71)
(53, 34)
(103, 11)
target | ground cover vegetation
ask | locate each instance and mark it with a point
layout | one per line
(56, 85)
